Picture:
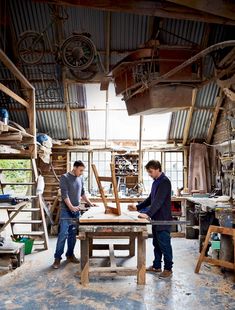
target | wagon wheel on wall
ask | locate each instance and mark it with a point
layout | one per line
(78, 51)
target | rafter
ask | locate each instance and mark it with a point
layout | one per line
(152, 8)
(189, 117)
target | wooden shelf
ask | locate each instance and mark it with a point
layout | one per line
(26, 222)
(30, 183)
(30, 233)
(13, 169)
(26, 210)
(29, 104)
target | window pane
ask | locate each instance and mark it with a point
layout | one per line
(168, 156)
(174, 168)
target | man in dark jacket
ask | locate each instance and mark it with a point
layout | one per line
(158, 207)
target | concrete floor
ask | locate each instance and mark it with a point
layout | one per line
(36, 285)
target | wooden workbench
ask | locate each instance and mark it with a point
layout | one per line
(95, 224)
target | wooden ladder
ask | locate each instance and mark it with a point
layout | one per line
(38, 221)
(113, 180)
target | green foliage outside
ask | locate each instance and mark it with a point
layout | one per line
(16, 176)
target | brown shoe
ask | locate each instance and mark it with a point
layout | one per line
(165, 274)
(73, 259)
(152, 269)
(56, 264)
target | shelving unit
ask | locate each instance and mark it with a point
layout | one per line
(59, 164)
(126, 169)
(14, 138)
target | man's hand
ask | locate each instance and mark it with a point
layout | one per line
(143, 216)
(74, 208)
(132, 207)
(93, 205)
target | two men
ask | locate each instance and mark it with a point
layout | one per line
(158, 207)
(72, 189)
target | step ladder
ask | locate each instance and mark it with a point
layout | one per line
(37, 221)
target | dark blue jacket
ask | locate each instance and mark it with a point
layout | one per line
(159, 201)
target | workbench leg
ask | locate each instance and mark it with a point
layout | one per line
(90, 247)
(132, 246)
(141, 259)
(85, 261)
(234, 255)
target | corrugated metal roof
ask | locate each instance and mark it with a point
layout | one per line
(200, 124)
(178, 120)
(87, 20)
(193, 31)
(128, 32)
(46, 77)
(53, 123)
(181, 32)
(206, 96)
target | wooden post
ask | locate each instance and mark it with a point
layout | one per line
(132, 246)
(68, 112)
(85, 261)
(218, 104)
(185, 168)
(189, 117)
(140, 163)
(31, 111)
(141, 264)
(108, 36)
(90, 247)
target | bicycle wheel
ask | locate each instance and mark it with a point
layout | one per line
(78, 52)
(31, 47)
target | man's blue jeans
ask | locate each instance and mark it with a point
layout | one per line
(162, 247)
(68, 230)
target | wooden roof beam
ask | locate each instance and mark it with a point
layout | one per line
(13, 95)
(189, 117)
(14, 70)
(225, 9)
(219, 101)
(151, 8)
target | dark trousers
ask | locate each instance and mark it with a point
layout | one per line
(162, 248)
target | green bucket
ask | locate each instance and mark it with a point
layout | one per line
(28, 244)
(215, 245)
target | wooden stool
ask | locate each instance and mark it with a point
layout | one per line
(217, 262)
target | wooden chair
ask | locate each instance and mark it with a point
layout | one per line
(217, 262)
(113, 180)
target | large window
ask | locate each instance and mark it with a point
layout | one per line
(174, 169)
(147, 156)
(83, 156)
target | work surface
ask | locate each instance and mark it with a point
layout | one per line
(97, 215)
(210, 203)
